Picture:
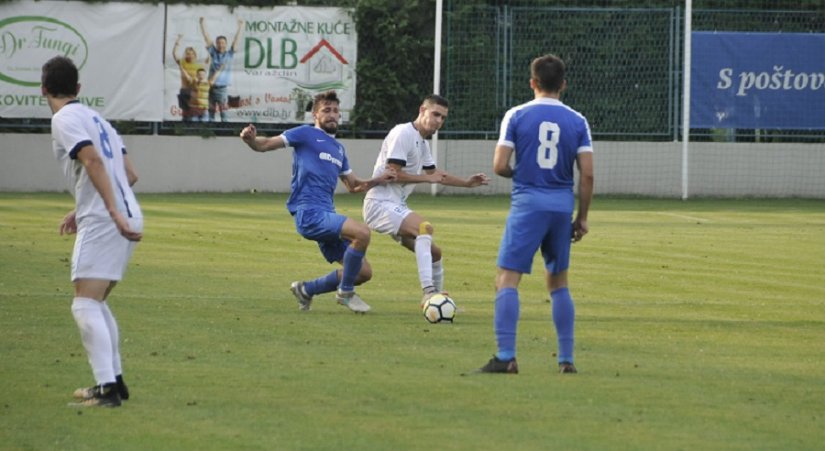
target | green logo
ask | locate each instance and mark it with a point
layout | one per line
(26, 42)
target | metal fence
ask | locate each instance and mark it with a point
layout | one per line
(624, 65)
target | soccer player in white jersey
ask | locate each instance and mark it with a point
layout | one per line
(319, 160)
(107, 219)
(548, 139)
(406, 150)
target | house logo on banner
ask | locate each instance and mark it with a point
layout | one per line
(282, 58)
(25, 40)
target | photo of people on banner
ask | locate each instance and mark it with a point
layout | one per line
(256, 65)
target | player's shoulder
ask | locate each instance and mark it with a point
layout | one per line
(75, 112)
(403, 129)
(542, 106)
(300, 130)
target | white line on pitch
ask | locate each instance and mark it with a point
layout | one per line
(690, 218)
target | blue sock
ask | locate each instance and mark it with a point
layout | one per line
(323, 284)
(564, 315)
(505, 322)
(352, 265)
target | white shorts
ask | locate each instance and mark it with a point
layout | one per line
(100, 251)
(385, 217)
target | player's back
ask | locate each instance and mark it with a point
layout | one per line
(74, 127)
(546, 136)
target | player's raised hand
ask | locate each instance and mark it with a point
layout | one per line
(69, 224)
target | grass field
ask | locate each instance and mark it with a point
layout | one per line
(700, 325)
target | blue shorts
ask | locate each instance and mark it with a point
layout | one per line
(323, 227)
(528, 231)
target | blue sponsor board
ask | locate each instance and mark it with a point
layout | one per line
(758, 80)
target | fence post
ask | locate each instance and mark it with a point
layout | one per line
(686, 98)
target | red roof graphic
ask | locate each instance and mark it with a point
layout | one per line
(315, 50)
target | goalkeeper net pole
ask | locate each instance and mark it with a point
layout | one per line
(439, 7)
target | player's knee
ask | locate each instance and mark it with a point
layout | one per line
(362, 235)
(436, 253)
(425, 228)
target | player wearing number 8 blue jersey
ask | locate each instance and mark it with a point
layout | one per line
(107, 219)
(548, 139)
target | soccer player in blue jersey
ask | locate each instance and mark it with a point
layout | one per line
(107, 219)
(319, 160)
(548, 139)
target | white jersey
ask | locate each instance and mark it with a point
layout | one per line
(405, 146)
(75, 126)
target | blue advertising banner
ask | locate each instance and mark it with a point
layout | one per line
(758, 80)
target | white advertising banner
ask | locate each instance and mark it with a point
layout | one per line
(256, 64)
(116, 46)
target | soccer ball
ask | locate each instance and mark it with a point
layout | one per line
(439, 309)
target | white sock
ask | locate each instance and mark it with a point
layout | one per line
(94, 333)
(438, 275)
(424, 258)
(114, 335)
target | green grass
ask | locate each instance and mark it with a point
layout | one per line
(700, 325)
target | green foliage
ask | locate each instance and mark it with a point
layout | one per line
(395, 61)
(699, 326)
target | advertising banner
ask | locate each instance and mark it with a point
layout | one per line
(116, 47)
(256, 64)
(758, 80)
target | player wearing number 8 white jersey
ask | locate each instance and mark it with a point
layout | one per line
(548, 139)
(74, 127)
(107, 219)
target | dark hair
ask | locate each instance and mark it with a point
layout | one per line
(59, 77)
(436, 99)
(548, 71)
(320, 99)
(221, 37)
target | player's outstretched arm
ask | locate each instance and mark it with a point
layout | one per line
(470, 182)
(249, 135)
(356, 185)
(429, 175)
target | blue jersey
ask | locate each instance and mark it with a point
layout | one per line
(318, 160)
(547, 136)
